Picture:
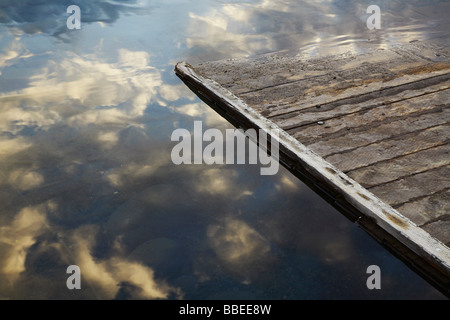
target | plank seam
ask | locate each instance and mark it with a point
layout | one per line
(398, 205)
(362, 110)
(399, 89)
(307, 79)
(395, 158)
(445, 217)
(421, 196)
(366, 127)
(406, 176)
(394, 137)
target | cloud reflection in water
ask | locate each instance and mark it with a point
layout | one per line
(50, 16)
(85, 170)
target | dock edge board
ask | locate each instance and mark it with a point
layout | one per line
(424, 254)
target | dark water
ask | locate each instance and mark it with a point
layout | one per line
(86, 176)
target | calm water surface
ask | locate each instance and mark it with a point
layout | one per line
(86, 176)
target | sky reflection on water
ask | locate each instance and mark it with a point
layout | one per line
(85, 171)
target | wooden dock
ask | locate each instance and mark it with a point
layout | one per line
(369, 132)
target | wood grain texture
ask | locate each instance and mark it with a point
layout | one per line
(414, 186)
(428, 209)
(391, 148)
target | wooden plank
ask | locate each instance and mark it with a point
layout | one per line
(429, 208)
(376, 93)
(414, 186)
(440, 229)
(250, 76)
(361, 113)
(243, 75)
(309, 92)
(336, 127)
(393, 169)
(381, 127)
(391, 148)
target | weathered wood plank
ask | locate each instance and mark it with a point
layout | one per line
(377, 131)
(242, 75)
(369, 94)
(440, 229)
(401, 167)
(414, 186)
(391, 148)
(335, 127)
(361, 113)
(251, 75)
(427, 209)
(326, 89)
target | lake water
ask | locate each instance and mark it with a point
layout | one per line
(86, 177)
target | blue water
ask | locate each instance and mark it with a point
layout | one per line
(86, 176)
